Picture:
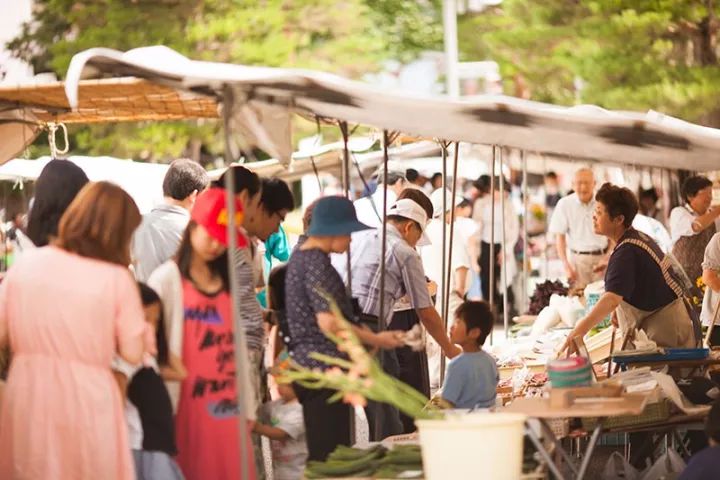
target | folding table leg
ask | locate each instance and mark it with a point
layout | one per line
(543, 452)
(547, 431)
(589, 451)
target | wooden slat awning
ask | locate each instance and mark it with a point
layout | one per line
(108, 100)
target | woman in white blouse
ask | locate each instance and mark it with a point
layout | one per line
(693, 225)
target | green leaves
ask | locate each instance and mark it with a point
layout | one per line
(630, 55)
(349, 37)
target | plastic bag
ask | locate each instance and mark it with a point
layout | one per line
(548, 318)
(618, 468)
(668, 467)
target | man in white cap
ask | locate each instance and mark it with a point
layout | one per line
(432, 254)
(404, 278)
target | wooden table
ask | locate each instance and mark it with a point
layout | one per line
(541, 409)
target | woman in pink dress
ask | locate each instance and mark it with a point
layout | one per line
(194, 288)
(65, 310)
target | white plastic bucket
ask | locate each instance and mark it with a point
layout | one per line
(473, 445)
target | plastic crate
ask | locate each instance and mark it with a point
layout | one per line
(654, 412)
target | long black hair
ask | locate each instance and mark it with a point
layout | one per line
(150, 297)
(218, 267)
(56, 187)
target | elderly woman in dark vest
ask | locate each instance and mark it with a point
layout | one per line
(640, 285)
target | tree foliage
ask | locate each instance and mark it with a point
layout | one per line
(629, 54)
(349, 37)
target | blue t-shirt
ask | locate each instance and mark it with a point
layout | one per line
(471, 380)
(703, 465)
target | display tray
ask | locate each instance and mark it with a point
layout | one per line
(670, 355)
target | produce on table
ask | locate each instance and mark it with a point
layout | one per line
(376, 462)
(542, 294)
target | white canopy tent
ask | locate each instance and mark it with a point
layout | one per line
(143, 181)
(262, 99)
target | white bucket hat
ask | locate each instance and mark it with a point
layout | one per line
(437, 201)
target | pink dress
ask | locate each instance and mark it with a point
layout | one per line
(62, 414)
(207, 419)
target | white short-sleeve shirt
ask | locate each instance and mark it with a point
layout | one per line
(681, 220)
(574, 219)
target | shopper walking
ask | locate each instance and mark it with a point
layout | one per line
(159, 235)
(194, 288)
(572, 226)
(66, 310)
(311, 284)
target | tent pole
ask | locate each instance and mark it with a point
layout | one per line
(443, 280)
(546, 261)
(525, 231)
(242, 374)
(503, 248)
(383, 253)
(346, 188)
(449, 272)
(491, 266)
(348, 265)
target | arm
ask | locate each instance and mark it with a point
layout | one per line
(433, 324)
(711, 279)
(273, 433)
(704, 221)
(133, 335)
(474, 251)
(174, 371)
(122, 382)
(387, 339)
(606, 305)
(461, 281)
(562, 254)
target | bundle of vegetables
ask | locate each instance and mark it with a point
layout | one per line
(402, 458)
(376, 462)
(347, 462)
(541, 297)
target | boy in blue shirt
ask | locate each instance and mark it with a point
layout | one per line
(472, 376)
(706, 463)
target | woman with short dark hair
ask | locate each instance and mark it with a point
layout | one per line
(692, 225)
(640, 285)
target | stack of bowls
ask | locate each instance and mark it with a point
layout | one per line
(570, 372)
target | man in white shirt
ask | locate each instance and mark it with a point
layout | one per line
(572, 224)
(158, 237)
(370, 209)
(432, 254)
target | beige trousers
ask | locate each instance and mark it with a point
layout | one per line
(584, 265)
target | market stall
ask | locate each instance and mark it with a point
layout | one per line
(257, 104)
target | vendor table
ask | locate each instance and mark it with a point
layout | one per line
(540, 409)
(713, 359)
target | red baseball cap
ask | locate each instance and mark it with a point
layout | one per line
(210, 211)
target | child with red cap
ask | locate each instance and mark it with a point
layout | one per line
(194, 287)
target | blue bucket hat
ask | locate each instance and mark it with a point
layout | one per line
(334, 216)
